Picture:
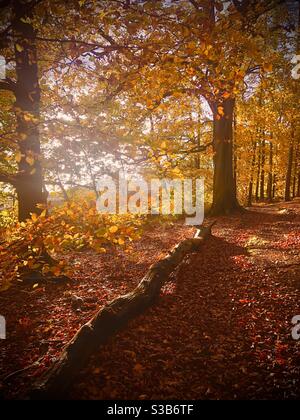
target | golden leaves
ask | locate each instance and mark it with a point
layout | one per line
(22, 136)
(34, 217)
(267, 67)
(164, 145)
(19, 48)
(121, 241)
(30, 160)
(113, 229)
(221, 111)
(191, 71)
(26, 20)
(18, 157)
(226, 95)
(149, 103)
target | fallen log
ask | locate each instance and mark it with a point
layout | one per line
(111, 318)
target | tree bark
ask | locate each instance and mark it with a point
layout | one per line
(270, 174)
(258, 172)
(234, 150)
(224, 191)
(274, 186)
(198, 139)
(29, 184)
(262, 167)
(250, 189)
(287, 195)
(296, 168)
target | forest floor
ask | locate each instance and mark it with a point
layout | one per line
(221, 328)
(42, 320)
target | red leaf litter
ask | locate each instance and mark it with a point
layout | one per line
(41, 320)
(222, 326)
(220, 330)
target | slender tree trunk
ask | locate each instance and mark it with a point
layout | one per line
(262, 173)
(29, 185)
(297, 172)
(250, 189)
(295, 169)
(62, 188)
(294, 187)
(297, 164)
(198, 140)
(270, 173)
(234, 152)
(274, 186)
(258, 173)
(224, 192)
(287, 195)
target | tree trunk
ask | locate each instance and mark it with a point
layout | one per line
(295, 170)
(270, 174)
(274, 186)
(258, 173)
(198, 140)
(234, 148)
(250, 189)
(29, 184)
(287, 195)
(224, 191)
(262, 173)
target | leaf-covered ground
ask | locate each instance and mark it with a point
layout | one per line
(222, 326)
(41, 320)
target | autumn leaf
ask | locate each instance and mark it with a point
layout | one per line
(113, 229)
(34, 217)
(30, 160)
(138, 369)
(267, 67)
(221, 111)
(19, 48)
(226, 95)
(18, 157)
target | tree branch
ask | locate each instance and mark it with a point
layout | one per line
(196, 149)
(84, 43)
(8, 179)
(195, 4)
(243, 6)
(8, 84)
(107, 37)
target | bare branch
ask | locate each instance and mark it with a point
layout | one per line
(195, 4)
